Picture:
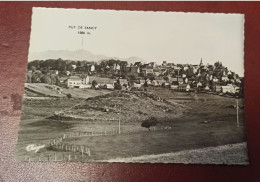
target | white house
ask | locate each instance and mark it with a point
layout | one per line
(184, 87)
(78, 82)
(92, 68)
(199, 84)
(228, 89)
(224, 78)
(74, 66)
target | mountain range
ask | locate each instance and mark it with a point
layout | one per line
(77, 55)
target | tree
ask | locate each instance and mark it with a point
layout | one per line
(118, 86)
(132, 77)
(150, 76)
(46, 79)
(69, 96)
(152, 121)
(94, 83)
(166, 78)
(141, 74)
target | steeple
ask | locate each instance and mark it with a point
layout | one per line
(201, 62)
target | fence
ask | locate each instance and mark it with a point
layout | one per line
(113, 132)
(72, 152)
(57, 157)
(58, 144)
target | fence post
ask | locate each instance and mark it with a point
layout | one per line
(88, 152)
(82, 150)
(55, 157)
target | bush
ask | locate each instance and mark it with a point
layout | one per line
(152, 121)
(69, 96)
(94, 83)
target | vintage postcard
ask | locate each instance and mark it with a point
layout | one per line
(134, 86)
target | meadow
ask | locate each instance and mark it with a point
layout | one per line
(207, 121)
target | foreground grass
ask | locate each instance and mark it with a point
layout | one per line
(208, 122)
(235, 154)
(183, 136)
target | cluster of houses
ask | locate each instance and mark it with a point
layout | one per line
(179, 77)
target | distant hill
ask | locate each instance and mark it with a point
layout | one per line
(77, 55)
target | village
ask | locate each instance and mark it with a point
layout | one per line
(120, 75)
(146, 107)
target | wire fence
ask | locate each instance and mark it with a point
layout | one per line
(62, 150)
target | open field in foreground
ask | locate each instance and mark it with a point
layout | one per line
(225, 154)
(208, 121)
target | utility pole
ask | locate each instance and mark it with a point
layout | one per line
(119, 131)
(237, 114)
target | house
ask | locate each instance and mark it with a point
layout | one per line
(74, 82)
(67, 73)
(123, 81)
(184, 87)
(92, 68)
(199, 84)
(74, 66)
(172, 79)
(109, 86)
(55, 72)
(134, 70)
(78, 82)
(138, 64)
(224, 78)
(174, 87)
(228, 89)
(156, 83)
(156, 72)
(195, 68)
(186, 80)
(180, 80)
(147, 70)
(217, 88)
(238, 80)
(164, 63)
(176, 70)
(142, 82)
(118, 67)
(206, 88)
(215, 79)
(137, 86)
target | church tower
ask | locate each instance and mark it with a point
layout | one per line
(201, 64)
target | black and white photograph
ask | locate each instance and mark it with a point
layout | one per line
(134, 87)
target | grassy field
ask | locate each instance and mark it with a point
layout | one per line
(101, 80)
(45, 90)
(207, 121)
(235, 154)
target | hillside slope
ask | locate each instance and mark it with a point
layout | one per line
(45, 90)
(128, 106)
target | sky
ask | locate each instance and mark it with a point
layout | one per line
(154, 36)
